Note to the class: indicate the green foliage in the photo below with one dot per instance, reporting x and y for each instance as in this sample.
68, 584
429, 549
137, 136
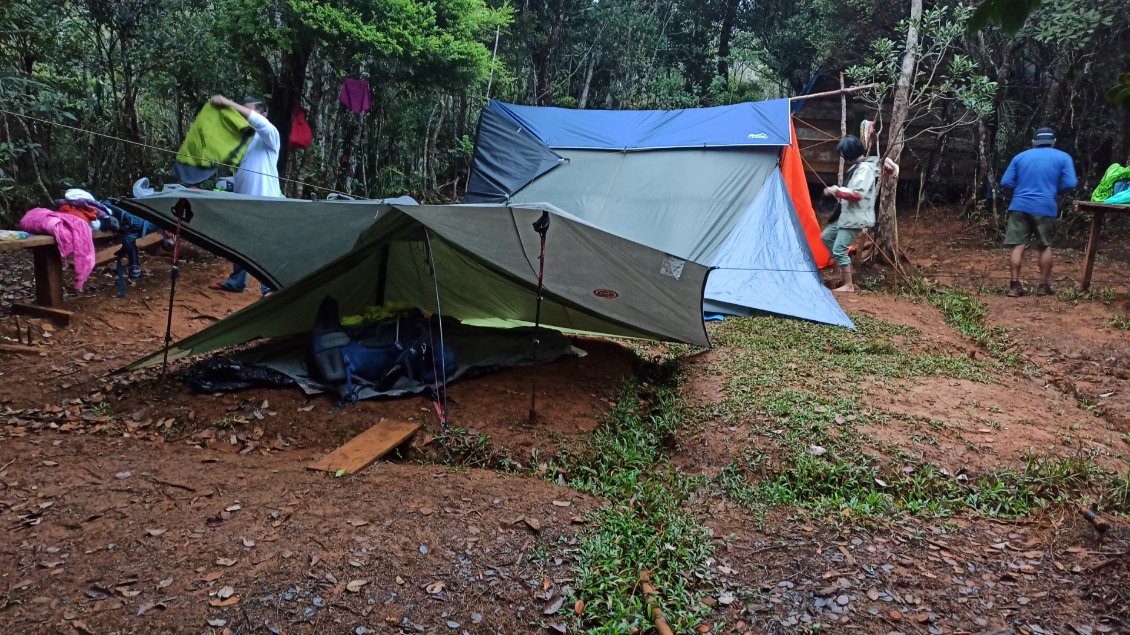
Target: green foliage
472, 449
1070, 24
1010, 15
654, 532
942, 72
1120, 93
1074, 296
801, 37
856, 486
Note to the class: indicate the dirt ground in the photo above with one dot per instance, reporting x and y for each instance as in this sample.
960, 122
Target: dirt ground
131, 505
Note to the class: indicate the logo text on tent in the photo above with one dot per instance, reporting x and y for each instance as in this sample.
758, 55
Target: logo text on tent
758, 135
607, 294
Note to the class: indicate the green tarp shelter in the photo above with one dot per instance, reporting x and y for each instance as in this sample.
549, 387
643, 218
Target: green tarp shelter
279, 240
479, 264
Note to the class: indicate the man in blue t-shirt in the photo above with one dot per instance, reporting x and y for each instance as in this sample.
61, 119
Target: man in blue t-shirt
1036, 177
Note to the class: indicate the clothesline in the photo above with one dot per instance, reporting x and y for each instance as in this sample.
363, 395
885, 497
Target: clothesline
160, 149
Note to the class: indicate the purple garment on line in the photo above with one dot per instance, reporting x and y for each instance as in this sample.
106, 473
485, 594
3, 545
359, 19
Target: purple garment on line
355, 95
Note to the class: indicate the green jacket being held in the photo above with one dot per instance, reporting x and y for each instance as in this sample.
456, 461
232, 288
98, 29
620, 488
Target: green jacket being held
218, 136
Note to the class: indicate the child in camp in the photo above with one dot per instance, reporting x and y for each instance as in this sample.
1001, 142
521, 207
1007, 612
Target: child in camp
856, 209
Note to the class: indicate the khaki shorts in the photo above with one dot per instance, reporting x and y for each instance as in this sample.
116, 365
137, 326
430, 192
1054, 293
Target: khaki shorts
838, 240
1028, 229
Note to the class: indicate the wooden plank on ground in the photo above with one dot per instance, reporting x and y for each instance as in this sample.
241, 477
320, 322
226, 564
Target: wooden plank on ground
365, 448
60, 317
21, 348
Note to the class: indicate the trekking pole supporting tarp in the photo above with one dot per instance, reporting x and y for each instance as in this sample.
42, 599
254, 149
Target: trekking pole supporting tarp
541, 226
183, 211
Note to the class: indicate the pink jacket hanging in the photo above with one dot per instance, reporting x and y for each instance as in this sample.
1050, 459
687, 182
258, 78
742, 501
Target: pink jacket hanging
355, 95
72, 234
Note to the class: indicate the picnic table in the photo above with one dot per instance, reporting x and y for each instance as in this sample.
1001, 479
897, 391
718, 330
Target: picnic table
1098, 215
49, 273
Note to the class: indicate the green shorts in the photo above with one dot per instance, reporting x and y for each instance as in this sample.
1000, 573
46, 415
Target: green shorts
1027, 229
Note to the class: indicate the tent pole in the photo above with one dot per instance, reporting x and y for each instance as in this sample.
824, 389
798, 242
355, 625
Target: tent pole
833, 93
440, 400
843, 128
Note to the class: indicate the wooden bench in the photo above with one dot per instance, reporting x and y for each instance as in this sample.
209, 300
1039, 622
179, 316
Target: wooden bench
49, 273
1098, 215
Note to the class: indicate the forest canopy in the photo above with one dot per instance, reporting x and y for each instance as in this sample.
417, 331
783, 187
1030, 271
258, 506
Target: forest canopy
126, 77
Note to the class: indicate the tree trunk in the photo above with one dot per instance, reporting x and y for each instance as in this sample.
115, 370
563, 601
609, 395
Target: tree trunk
354, 145
285, 96
843, 130
725, 33
934, 161
886, 229
985, 186
594, 54
1054, 95
542, 55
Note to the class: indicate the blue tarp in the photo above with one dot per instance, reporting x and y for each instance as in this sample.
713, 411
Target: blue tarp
762, 123
765, 265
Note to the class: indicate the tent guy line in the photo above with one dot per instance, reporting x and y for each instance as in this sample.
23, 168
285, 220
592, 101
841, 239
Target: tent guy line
164, 150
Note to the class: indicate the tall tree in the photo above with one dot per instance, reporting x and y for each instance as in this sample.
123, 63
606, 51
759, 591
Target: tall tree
928, 74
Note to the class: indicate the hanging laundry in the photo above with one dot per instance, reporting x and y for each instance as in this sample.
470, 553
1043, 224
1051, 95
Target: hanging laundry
300, 134
217, 136
355, 95
72, 234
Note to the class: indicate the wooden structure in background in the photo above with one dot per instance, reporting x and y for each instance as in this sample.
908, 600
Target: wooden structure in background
818, 124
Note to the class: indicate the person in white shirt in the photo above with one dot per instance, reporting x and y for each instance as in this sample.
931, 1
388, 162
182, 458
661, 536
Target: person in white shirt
258, 173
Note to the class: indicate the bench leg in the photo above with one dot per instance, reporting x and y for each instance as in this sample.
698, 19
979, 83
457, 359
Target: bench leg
48, 288
48, 276
1092, 250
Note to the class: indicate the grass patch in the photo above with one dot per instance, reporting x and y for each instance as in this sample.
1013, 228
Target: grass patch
772, 351
1074, 296
861, 486
796, 388
471, 448
967, 314
647, 525
1119, 322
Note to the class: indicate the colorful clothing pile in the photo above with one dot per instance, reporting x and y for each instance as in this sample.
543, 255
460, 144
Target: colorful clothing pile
72, 234
1105, 190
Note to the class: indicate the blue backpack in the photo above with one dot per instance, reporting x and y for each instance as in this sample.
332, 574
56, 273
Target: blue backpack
380, 354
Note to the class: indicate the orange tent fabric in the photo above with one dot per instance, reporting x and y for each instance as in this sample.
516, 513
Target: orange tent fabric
792, 169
